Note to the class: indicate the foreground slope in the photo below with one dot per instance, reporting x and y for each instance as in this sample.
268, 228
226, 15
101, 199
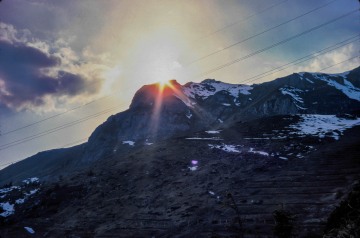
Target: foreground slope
204, 183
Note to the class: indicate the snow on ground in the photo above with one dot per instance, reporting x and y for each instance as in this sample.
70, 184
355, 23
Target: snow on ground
7, 190
251, 150
9, 200
188, 115
226, 104
210, 87
32, 192
347, 87
212, 132
197, 138
128, 142
20, 201
226, 148
29, 229
323, 125
31, 180
193, 168
7, 208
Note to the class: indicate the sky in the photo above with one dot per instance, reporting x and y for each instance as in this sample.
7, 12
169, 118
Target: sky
66, 66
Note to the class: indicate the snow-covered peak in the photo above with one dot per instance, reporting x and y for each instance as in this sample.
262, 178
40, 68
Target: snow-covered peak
209, 87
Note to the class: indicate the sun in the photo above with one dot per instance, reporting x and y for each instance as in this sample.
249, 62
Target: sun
163, 83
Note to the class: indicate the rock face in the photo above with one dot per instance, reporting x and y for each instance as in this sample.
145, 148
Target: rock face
160, 112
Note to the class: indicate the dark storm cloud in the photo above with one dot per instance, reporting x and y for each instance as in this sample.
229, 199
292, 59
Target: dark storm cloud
23, 77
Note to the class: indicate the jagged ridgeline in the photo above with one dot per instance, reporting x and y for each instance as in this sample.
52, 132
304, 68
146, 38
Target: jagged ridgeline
207, 158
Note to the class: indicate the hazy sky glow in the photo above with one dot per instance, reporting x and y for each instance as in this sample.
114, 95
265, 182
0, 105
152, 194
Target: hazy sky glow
58, 55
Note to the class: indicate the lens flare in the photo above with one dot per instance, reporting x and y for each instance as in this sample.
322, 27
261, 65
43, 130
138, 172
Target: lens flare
194, 162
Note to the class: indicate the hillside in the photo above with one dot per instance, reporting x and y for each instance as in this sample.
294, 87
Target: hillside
188, 186
224, 161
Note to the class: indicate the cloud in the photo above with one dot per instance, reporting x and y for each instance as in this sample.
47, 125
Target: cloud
33, 72
337, 59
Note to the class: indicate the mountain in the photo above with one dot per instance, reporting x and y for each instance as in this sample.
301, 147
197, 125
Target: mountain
157, 113
207, 159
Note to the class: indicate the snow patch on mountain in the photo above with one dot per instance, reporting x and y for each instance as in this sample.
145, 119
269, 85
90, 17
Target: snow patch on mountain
301, 74
347, 87
323, 125
7, 190
128, 142
199, 138
251, 150
212, 132
226, 148
8, 209
209, 87
31, 180
189, 114
294, 93
29, 229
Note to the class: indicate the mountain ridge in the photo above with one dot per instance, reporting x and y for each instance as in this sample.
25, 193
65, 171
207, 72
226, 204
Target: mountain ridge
206, 159
183, 109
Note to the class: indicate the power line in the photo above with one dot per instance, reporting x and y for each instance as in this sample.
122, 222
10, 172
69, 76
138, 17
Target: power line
75, 142
276, 44
58, 128
9, 163
303, 59
300, 60
62, 146
23, 140
109, 95
242, 20
78, 107
54, 116
339, 63
260, 33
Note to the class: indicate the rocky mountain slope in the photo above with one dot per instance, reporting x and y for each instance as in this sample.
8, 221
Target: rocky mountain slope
206, 159
214, 183
157, 113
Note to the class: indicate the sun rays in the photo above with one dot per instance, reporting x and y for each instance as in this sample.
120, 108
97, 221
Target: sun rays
163, 92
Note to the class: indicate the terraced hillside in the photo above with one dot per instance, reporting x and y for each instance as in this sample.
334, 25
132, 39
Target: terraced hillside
227, 182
